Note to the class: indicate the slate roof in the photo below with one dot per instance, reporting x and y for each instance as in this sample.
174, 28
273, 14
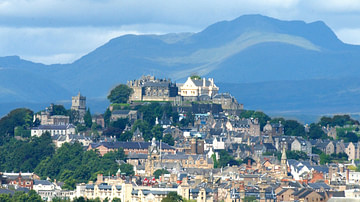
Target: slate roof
129, 145
6, 191
319, 185
54, 127
199, 82
42, 182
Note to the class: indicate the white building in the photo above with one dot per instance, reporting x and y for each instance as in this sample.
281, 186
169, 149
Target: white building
198, 87
53, 130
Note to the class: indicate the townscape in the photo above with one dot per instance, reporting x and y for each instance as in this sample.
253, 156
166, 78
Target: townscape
165, 141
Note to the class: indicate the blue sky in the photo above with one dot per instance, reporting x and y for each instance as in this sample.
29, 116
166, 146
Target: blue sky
61, 31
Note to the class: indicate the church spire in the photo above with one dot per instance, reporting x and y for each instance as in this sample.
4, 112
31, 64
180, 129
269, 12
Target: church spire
284, 169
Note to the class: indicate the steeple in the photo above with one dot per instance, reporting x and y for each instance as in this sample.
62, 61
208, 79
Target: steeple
284, 162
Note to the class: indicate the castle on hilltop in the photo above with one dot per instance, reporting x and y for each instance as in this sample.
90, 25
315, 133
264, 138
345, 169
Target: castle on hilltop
149, 88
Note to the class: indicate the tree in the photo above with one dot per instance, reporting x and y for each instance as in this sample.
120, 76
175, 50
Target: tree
294, 128
225, 159
315, 132
169, 139
159, 172
107, 116
18, 117
124, 136
59, 110
157, 132
120, 94
116, 200
172, 197
128, 169
88, 119
263, 118
250, 199
195, 77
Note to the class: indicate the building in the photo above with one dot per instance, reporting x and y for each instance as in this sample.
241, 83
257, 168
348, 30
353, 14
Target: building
227, 101
274, 129
47, 117
53, 130
133, 147
148, 88
194, 88
78, 104
24, 180
131, 115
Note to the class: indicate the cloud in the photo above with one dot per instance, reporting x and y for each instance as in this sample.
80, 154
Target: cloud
65, 44
337, 6
63, 30
351, 36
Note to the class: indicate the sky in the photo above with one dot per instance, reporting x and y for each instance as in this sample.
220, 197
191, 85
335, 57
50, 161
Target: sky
61, 31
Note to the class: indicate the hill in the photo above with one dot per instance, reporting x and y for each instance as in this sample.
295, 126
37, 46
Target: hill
250, 52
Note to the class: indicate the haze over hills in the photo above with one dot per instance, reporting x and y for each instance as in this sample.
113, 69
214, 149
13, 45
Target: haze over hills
278, 66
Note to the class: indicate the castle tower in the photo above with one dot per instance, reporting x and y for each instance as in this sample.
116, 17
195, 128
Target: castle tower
79, 104
284, 169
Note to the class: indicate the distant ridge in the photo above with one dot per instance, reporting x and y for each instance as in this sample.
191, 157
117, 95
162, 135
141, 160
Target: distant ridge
248, 49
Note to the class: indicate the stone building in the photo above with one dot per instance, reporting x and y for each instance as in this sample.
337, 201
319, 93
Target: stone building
148, 88
78, 104
274, 129
47, 117
227, 101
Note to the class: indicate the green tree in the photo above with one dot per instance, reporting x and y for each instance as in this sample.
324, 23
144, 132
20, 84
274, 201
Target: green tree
128, 169
157, 132
315, 132
107, 116
294, 128
225, 159
195, 77
59, 110
169, 139
125, 136
159, 172
116, 200
172, 197
17, 117
120, 94
250, 199
324, 159
261, 116
144, 127
88, 118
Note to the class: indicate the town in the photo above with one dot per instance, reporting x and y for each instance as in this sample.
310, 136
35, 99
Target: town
165, 141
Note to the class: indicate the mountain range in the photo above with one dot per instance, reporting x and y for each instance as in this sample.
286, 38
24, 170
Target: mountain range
284, 68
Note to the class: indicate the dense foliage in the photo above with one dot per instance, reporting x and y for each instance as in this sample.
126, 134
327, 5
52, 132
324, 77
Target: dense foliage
333, 158
169, 139
17, 155
172, 197
263, 118
159, 172
21, 196
72, 164
297, 155
347, 136
225, 159
16, 118
315, 132
337, 120
120, 94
